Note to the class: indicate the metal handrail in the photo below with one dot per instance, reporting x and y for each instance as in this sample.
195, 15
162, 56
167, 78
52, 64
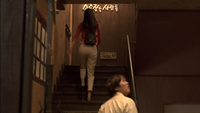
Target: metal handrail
131, 67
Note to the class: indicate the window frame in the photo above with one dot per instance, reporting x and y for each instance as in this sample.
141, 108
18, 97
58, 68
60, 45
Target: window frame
39, 51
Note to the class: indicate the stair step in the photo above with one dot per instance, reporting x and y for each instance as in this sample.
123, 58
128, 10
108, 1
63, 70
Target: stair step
77, 102
76, 79
109, 69
77, 105
74, 112
75, 87
74, 93
96, 74
96, 96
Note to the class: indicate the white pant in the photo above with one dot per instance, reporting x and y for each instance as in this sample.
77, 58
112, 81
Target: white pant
88, 57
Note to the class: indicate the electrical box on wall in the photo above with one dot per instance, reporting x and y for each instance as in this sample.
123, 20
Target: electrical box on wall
108, 55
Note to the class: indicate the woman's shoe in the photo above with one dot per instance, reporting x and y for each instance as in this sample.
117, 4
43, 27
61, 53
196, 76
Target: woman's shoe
89, 96
82, 88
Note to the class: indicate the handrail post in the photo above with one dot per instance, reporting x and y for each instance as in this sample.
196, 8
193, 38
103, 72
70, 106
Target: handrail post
131, 67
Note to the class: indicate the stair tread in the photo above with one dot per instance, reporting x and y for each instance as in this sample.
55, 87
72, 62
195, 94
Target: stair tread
96, 77
99, 69
79, 85
103, 66
77, 102
71, 93
64, 111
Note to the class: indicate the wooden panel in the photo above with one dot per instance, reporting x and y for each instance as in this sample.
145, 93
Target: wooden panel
41, 7
114, 27
27, 68
168, 43
149, 94
169, 4
146, 4
12, 29
155, 92
60, 5
99, 1
182, 90
16, 55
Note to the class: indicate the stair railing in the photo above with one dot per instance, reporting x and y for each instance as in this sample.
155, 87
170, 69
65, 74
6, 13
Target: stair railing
131, 68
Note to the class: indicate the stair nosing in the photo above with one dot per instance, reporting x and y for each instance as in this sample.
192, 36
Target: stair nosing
95, 85
77, 101
74, 92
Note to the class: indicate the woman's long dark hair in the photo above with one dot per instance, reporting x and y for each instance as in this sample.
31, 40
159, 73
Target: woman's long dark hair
89, 21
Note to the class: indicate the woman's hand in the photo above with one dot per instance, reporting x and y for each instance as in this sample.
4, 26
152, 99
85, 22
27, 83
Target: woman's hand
69, 51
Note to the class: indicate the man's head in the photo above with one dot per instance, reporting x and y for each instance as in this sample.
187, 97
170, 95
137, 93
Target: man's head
117, 83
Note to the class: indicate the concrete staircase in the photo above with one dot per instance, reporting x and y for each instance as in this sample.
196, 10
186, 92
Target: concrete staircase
67, 97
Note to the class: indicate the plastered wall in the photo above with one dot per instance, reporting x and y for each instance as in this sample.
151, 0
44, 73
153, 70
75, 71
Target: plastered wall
37, 97
58, 42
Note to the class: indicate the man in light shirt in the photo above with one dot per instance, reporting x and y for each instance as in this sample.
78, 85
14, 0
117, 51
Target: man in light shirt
118, 88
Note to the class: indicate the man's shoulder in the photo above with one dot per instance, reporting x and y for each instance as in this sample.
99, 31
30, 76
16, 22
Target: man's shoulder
121, 98
128, 98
